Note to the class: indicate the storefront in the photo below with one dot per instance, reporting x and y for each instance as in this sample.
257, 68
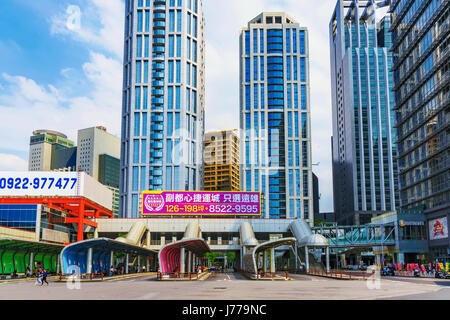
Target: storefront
411, 239
439, 243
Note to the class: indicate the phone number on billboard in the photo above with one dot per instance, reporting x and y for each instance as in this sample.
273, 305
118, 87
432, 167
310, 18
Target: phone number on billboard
219, 208
37, 183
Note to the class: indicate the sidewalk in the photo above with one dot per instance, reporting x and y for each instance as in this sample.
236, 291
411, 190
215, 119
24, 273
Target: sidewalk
113, 278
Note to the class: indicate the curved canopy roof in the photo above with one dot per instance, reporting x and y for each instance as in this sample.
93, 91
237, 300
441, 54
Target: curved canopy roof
105, 244
169, 255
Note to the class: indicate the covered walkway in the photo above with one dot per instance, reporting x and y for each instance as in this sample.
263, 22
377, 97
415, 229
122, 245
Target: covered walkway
264, 254
19, 254
97, 255
183, 256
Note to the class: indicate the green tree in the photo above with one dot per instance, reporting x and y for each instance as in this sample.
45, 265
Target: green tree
211, 256
231, 256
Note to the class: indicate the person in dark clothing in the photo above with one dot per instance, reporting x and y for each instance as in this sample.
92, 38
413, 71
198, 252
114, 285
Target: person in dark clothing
44, 278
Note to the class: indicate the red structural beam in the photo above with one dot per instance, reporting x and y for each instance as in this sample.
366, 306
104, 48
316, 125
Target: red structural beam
78, 207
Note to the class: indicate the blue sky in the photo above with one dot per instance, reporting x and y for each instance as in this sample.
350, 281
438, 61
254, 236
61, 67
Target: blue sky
60, 73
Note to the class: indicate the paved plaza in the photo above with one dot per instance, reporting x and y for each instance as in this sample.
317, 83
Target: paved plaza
232, 286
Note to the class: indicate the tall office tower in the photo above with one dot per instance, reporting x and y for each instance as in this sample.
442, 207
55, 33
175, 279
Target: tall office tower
222, 172
44, 144
275, 115
163, 99
363, 144
98, 155
421, 41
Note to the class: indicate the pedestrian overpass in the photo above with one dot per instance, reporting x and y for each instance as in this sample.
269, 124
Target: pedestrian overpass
357, 236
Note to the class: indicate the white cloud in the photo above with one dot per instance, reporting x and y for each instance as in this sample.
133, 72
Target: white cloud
100, 24
9, 162
27, 105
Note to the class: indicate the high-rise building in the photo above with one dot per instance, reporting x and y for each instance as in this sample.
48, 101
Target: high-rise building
275, 115
222, 172
44, 146
163, 99
365, 183
421, 48
98, 155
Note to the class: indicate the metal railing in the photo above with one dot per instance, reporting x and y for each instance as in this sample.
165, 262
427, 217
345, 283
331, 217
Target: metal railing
85, 276
272, 275
341, 274
179, 275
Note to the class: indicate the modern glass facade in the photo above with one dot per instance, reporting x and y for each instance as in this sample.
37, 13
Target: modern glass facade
163, 99
275, 115
363, 144
421, 43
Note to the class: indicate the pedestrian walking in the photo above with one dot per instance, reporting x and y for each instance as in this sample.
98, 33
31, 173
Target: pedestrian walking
38, 278
111, 271
44, 278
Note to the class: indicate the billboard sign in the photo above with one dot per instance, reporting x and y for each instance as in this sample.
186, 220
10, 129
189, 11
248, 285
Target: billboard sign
196, 203
54, 184
37, 183
438, 228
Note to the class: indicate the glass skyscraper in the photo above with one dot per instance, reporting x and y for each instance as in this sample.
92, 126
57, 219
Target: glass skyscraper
163, 99
275, 115
421, 47
365, 181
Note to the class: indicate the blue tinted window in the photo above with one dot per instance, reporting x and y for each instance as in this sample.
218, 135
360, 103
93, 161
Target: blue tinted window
170, 97
171, 21
288, 40
247, 98
139, 22
247, 69
261, 41
255, 68
178, 20
302, 42
169, 151
169, 124
303, 101
171, 46
169, 178
138, 71
137, 105
247, 42
255, 96
294, 40
135, 152
137, 124
302, 70
170, 71
144, 124
178, 98
143, 155
255, 40
145, 106
139, 46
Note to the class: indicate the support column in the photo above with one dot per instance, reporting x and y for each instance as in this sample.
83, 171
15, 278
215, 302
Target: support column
127, 261
194, 262
296, 255
148, 242
307, 258
272, 260
241, 258
328, 259
147, 264
189, 268
58, 264
265, 260
111, 259
31, 261
182, 260
96, 233
139, 263
89, 261
80, 222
